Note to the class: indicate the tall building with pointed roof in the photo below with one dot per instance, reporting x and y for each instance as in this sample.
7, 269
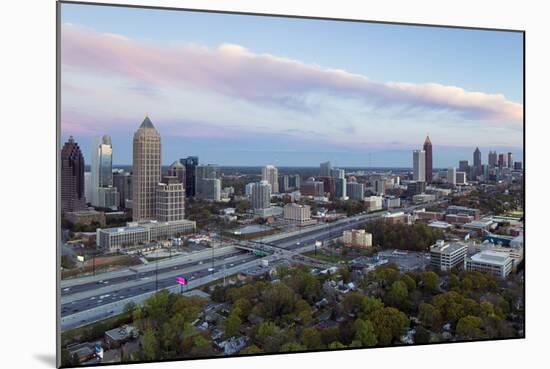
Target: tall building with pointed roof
72, 177
477, 162
146, 170
428, 157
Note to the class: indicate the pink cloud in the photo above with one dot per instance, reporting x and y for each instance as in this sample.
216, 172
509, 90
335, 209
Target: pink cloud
235, 71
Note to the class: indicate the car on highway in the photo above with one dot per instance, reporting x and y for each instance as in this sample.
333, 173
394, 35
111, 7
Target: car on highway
210, 269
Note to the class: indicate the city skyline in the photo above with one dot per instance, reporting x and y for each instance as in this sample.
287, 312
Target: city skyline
288, 102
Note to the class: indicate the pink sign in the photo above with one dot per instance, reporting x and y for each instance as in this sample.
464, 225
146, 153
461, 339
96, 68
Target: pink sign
181, 280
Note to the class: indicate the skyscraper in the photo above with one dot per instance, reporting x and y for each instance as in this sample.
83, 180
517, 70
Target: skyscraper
419, 165
341, 188
146, 170
355, 191
122, 180
72, 177
428, 159
502, 162
477, 162
283, 184
261, 195
463, 166
510, 160
451, 176
190, 164
338, 173
207, 184
270, 174
103, 194
177, 169
492, 159
325, 169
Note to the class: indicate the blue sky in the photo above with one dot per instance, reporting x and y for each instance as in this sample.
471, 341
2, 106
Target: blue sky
248, 90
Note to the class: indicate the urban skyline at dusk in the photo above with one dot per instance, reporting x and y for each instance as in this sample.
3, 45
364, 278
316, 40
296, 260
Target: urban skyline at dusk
288, 103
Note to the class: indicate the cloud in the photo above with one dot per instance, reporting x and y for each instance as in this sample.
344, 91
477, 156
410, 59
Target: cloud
232, 70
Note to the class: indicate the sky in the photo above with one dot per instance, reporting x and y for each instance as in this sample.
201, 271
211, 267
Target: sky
256, 90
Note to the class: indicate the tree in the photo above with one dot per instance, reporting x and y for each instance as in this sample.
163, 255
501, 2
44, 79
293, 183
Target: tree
409, 281
336, 345
149, 350
370, 304
232, 324
470, 328
364, 332
450, 305
251, 350
329, 334
353, 302
389, 323
244, 306
422, 335
311, 338
269, 336
430, 316
429, 281
129, 308
397, 295
292, 347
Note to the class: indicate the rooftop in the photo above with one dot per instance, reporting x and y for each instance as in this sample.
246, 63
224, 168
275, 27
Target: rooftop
491, 257
447, 248
147, 123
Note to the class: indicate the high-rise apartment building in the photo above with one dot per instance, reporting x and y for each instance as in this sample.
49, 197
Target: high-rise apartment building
355, 191
122, 180
170, 204
207, 184
428, 160
419, 165
451, 176
72, 177
338, 173
284, 183
341, 188
146, 169
270, 173
261, 195
325, 169
502, 160
492, 160
294, 181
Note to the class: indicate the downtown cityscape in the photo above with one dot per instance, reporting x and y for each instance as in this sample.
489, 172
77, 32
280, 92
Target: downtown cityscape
328, 223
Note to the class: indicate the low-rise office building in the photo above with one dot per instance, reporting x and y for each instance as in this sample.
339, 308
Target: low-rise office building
458, 210
357, 238
398, 218
135, 233
297, 213
373, 203
86, 217
445, 256
423, 197
498, 264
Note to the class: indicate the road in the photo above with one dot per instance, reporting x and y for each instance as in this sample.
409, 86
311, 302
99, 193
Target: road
88, 299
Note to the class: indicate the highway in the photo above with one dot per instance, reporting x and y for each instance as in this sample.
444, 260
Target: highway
88, 299
138, 273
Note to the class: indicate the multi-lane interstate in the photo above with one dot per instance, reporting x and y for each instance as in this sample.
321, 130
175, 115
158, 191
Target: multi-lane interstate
88, 299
